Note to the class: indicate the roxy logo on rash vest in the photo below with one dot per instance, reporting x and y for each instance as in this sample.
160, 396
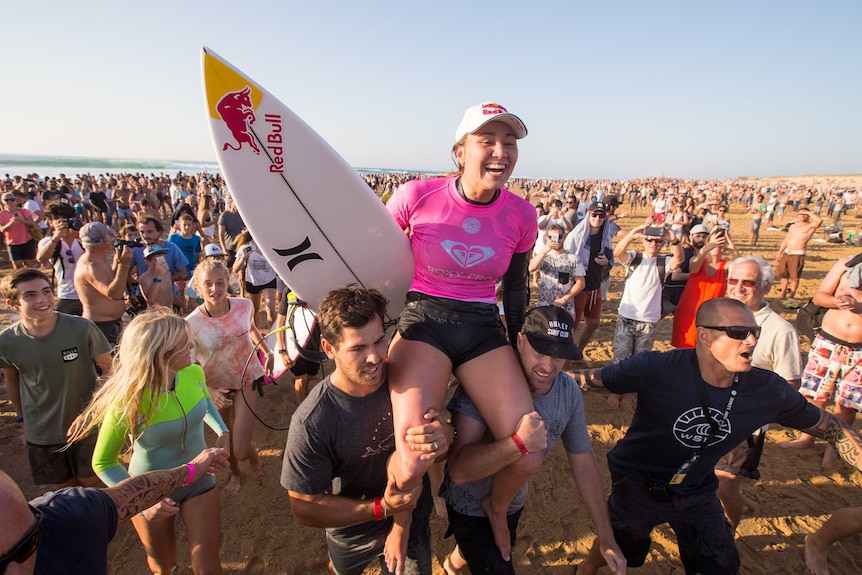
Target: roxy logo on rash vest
692, 428
467, 256
237, 113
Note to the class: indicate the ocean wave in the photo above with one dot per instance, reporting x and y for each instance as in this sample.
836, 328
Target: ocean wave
111, 165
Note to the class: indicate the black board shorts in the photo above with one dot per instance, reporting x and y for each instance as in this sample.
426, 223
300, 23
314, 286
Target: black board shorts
462, 330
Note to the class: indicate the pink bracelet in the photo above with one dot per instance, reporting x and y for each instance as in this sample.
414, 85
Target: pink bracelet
191, 478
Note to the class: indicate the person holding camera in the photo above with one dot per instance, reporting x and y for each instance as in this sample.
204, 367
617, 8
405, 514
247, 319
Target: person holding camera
707, 279
99, 284
561, 277
62, 250
640, 305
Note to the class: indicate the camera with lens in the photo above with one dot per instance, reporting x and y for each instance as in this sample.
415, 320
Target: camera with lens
74, 224
131, 243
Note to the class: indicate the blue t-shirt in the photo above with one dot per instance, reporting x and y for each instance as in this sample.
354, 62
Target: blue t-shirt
191, 247
175, 257
79, 524
669, 424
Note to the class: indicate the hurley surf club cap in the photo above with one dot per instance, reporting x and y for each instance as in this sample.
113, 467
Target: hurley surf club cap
477, 116
549, 330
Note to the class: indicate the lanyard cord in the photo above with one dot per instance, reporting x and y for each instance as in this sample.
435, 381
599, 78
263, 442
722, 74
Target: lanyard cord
713, 425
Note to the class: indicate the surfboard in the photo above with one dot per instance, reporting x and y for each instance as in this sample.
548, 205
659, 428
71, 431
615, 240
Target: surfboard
316, 221
300, 337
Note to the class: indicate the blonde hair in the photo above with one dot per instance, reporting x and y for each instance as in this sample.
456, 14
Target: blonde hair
205, 206
204, 266
140, 367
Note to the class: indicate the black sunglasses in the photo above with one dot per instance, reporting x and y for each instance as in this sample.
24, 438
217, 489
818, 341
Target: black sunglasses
739, 332
27, 546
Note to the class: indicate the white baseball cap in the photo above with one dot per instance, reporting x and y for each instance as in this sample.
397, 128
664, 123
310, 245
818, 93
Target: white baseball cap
477, 116
212, 250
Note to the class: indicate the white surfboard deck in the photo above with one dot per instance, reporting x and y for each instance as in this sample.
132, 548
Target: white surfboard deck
316, 221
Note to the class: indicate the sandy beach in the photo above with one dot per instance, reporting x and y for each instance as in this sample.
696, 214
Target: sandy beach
793, 498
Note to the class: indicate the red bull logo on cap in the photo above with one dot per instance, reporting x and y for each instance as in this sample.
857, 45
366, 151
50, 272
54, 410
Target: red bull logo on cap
236, 111
490, 109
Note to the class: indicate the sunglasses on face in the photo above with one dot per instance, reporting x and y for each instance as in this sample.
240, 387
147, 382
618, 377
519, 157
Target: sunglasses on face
600, 215
740, 332
746, 283
28, 543
654, 240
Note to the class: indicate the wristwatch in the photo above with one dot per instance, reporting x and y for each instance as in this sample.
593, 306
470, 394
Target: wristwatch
674, 242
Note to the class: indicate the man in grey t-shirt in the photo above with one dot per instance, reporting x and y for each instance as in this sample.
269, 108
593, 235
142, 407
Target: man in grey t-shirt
341, 436
544, 345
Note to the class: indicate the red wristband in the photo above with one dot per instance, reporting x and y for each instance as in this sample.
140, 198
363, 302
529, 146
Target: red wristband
191, 478
378, 509
519, 442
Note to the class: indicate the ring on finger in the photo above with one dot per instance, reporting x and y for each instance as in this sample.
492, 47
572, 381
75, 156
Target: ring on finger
434, 445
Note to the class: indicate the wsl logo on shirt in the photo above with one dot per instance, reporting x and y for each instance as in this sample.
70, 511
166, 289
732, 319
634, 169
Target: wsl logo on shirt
70, 354
692, 428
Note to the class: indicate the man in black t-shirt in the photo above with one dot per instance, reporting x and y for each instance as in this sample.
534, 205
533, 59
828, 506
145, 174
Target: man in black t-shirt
693, 406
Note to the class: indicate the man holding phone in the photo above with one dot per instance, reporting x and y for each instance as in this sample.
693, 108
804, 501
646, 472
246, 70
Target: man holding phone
561, 276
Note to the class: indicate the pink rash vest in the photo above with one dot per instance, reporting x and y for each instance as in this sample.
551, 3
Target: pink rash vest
461, 249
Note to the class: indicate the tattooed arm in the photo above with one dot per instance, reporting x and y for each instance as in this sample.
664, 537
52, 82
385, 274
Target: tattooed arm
135, 494
846, 440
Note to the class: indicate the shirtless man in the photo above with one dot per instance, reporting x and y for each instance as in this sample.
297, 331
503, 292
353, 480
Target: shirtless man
838, 342
100, 285
156, 285
791, 253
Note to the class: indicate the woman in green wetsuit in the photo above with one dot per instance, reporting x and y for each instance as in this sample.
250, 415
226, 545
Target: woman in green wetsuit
158, 396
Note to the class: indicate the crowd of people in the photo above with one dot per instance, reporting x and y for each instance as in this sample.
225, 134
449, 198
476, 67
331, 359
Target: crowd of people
142, 299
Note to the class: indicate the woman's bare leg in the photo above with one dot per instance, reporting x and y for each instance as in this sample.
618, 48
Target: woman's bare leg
160, 542
243, 448
202, 518
418, 376
495, 383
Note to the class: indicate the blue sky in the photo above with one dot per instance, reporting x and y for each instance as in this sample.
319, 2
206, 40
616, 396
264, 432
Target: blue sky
606, 89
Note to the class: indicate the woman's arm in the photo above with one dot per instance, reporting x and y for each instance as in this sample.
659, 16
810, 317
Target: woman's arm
515, 294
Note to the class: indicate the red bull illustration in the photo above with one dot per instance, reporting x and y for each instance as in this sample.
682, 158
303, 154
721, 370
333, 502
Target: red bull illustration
236, 111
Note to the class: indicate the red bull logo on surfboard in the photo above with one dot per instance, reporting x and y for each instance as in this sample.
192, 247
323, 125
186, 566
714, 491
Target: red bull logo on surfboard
236, 111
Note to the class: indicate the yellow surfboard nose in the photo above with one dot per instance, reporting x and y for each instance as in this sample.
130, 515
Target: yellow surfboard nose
220, 80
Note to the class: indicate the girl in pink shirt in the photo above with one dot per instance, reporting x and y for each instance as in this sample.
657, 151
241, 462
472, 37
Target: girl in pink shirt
19, 242
225, 334
466, 232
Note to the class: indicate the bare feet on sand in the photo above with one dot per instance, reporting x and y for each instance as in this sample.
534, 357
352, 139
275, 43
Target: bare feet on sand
829, 457
815, 556
803, 442
500, 527
395, 549
233, 485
